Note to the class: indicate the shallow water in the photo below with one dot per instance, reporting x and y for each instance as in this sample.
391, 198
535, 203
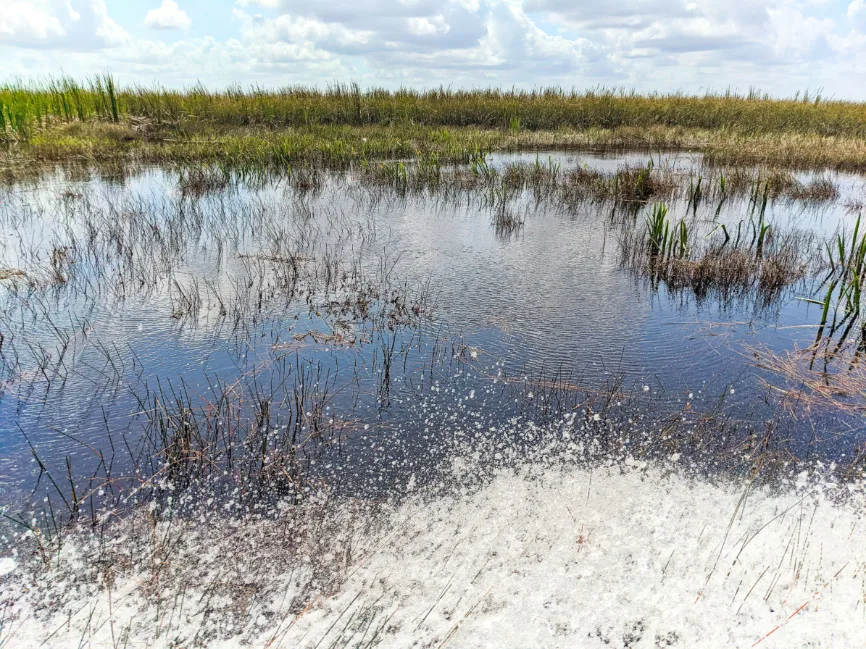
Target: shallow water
487, 326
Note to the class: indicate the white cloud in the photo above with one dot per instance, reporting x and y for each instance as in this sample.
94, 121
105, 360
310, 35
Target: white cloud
780, 46
167, 16
267, 4
424, 26
61, 24
23, 22
857, 14
302, 34
797, 36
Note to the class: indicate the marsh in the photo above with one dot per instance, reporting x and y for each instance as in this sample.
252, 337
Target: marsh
373, 395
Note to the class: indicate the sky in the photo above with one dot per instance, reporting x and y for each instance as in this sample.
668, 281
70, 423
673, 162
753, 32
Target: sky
777, 46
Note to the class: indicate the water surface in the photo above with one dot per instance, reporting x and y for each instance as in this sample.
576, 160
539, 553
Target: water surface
401, 314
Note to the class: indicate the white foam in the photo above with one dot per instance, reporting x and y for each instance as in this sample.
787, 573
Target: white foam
7, 565
572, 557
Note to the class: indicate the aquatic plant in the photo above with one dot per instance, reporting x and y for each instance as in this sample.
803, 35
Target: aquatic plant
695, 193
671, 252
665, 241
478, 165
846, 264
657, 229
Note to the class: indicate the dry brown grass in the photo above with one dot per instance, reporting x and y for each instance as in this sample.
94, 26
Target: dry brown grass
806, 381
730, 272
8, 273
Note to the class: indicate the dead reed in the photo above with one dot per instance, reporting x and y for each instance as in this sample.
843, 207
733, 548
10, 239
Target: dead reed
802, 384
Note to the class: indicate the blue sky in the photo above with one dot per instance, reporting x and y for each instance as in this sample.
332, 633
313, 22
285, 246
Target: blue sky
778, 46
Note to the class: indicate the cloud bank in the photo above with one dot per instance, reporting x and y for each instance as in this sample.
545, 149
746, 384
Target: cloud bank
779, 46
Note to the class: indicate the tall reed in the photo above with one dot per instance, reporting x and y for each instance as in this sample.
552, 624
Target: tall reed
25, 105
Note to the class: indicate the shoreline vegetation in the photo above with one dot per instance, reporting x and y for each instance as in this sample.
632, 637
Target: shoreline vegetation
97, 121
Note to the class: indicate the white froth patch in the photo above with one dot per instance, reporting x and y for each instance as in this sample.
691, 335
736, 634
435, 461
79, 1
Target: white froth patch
7, 565
568, 558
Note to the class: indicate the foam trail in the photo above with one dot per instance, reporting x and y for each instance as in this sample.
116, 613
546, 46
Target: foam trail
615, 556
615, 559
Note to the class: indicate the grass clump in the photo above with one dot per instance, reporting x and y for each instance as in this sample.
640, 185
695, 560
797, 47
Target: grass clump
725, 263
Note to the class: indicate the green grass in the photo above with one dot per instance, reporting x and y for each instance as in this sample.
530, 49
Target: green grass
251, 148
97, 120
846, 261
26, 108
512, 110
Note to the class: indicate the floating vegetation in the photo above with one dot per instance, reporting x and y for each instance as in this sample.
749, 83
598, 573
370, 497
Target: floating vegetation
803, 384
8, 273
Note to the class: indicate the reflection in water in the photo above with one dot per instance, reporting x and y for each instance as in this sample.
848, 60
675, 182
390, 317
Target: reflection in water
140, 302
382, 406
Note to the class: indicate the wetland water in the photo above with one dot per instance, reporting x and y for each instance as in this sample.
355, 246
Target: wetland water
523, 411
395, 310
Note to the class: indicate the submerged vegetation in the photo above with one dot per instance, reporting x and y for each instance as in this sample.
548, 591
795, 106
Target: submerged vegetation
627, 184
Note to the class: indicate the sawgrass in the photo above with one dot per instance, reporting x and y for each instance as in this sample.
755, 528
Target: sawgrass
63, 119
512, 110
